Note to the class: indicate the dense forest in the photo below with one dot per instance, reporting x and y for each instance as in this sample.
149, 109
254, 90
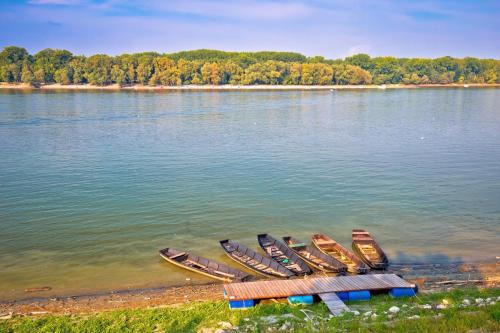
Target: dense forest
241, 68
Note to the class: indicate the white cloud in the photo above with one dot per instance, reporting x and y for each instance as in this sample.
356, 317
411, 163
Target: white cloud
332, 28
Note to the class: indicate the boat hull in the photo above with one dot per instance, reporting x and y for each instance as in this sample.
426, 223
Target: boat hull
365, 246
373, 265
211, 269
354, 264
283, 255
257, 263
315, 258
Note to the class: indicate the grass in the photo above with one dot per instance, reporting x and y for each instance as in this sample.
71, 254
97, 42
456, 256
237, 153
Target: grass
275, 317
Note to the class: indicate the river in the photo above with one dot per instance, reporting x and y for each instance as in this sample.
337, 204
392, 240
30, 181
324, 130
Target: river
92, 184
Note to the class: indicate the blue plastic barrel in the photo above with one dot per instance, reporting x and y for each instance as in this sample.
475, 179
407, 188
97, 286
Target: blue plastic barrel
306, 300
359, 295
402, 292
343, 295
241, 304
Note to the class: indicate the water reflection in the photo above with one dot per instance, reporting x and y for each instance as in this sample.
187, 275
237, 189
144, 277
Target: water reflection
93, 183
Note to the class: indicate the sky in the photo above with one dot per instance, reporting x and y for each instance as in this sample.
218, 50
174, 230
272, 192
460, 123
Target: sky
333, 29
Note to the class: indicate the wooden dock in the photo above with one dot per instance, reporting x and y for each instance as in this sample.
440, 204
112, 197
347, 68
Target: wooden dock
334, 303
312, 286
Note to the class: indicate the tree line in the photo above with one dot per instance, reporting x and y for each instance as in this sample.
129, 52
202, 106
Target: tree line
238, 68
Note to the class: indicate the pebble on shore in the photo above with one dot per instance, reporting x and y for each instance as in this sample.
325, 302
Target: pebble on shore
394, 309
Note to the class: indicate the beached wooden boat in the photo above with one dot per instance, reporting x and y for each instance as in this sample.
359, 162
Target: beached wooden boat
368, 250
283, 255
203, 266
253, 260
337, 251
315, 257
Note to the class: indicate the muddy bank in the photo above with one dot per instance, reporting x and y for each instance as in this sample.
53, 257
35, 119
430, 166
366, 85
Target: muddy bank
115, 87
428, 277
129, 299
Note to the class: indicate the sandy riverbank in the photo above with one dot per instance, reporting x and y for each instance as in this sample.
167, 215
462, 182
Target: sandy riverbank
51, 87
429, 277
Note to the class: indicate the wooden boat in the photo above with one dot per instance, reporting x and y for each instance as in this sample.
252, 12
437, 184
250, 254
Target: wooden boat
253, 260
283, 255
203, 266
315, 257
368, 250
337, 251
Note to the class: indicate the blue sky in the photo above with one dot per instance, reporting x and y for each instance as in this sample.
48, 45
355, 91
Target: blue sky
334, 29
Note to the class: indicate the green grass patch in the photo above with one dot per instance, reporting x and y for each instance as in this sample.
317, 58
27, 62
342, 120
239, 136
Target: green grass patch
411, 317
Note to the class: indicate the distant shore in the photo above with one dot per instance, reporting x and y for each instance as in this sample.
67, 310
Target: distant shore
137, 87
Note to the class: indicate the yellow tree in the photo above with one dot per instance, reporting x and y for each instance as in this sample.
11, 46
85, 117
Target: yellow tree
189, 71
211, 73
274, 71
490, 76
165, 72
231, 73
26, 74
349, 74
317, 74
294, 73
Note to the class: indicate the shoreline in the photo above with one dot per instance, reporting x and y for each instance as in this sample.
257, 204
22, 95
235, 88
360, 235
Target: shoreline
460, 310
429, 277
135, 87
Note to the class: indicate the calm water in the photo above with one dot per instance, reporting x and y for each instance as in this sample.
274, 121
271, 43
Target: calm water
93, 184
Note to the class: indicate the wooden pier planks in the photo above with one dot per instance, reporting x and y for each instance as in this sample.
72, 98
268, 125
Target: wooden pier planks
334, 303
312, 286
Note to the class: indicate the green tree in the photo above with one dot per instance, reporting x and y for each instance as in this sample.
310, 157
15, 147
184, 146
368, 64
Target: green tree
244, 60
98, 69
118, 75
124, 69
12, 73
131, 74
269, 72
26, 73
447, 66
39, 75
48, 61
12, 59
419, 67
472, 70
220, 67
387, 70
316, 60
144, 69
77, 68
361, 60
63, 76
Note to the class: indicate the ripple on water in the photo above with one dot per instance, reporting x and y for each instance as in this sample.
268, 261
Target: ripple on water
94, 183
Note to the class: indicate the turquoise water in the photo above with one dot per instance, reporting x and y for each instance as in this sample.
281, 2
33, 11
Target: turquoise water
92, 184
